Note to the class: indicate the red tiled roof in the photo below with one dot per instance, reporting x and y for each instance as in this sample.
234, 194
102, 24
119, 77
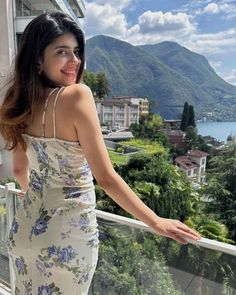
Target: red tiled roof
197, 153
186, 163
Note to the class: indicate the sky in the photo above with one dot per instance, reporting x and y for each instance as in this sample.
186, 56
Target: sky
203, 26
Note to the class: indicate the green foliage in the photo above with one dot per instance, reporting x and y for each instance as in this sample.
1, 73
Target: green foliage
3, 181
97, 82
90, 79
149, 128
191, 121
195, 141
3, 210
188, 117
185, 117
221, 190
120, 150
209, 228
146, 146
117, 158
159, 184
102, 85
130, 263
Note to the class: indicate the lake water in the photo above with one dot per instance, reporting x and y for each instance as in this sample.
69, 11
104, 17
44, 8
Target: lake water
219, 130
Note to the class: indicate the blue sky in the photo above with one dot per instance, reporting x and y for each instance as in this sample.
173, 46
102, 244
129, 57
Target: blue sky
204, 26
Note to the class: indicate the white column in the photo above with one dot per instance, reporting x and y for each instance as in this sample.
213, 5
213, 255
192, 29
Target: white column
7, 49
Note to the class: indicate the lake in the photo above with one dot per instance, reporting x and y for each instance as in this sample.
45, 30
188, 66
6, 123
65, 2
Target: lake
219, 130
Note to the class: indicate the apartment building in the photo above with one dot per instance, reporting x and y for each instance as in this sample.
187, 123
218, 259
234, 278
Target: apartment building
142, 102
193, 164
14, 17
121, 111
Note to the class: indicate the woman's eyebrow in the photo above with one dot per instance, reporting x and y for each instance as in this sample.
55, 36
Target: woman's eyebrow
65, 47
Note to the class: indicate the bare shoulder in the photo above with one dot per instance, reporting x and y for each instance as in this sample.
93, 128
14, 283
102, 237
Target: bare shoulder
77, 101
77, 92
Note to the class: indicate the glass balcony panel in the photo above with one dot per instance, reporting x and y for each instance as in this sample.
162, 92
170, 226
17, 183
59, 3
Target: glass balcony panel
134, 261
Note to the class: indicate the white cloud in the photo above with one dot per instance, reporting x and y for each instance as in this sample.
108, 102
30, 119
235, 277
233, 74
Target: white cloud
225, 8
215, 64
104, 19
154, 27
211, 8
231, 77
159, 21
212, 43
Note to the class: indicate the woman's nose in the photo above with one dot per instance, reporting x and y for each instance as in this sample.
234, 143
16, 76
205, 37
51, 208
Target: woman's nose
75, 58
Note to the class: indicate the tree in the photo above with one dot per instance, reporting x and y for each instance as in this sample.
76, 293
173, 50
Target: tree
90, 79
149, 127
185, 117
153, 104
126, 259
191, 137
97, 82
221, 191
191, 120
102, 85
160, 185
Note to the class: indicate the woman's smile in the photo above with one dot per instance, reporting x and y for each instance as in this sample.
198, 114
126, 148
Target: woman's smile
61, 62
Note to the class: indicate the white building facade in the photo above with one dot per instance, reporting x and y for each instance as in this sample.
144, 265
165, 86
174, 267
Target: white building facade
14, 17
121, 112
194, 165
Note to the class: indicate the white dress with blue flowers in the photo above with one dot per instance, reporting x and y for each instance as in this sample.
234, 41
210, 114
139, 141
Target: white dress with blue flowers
53, 240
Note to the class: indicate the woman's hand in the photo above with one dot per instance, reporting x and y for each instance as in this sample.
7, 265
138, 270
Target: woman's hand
176, 230
21, 194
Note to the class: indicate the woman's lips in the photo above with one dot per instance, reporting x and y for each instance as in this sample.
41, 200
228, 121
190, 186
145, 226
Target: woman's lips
69, 73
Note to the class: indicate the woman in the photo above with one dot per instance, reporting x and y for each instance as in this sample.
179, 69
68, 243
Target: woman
49, 121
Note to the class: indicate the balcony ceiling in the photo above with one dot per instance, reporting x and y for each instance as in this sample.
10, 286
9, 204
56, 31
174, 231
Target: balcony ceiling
41, 4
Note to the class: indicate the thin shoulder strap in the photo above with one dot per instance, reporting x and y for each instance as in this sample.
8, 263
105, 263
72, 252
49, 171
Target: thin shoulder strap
44, 111
54, 111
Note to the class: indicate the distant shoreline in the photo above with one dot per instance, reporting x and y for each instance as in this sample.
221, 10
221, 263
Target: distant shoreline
218, 130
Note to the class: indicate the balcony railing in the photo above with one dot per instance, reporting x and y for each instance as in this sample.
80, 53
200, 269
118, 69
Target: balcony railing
133, 260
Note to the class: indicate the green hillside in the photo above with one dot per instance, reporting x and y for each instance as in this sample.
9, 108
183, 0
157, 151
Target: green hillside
165, 72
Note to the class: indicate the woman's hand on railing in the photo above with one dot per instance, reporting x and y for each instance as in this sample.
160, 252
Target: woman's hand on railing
21, 194
176, 230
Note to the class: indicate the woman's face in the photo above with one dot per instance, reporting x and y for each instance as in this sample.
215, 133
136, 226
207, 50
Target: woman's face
61, 61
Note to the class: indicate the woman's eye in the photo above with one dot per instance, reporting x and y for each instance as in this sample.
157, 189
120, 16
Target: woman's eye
77, 53
62, 52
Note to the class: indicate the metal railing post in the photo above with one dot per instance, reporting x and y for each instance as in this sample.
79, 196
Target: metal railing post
10, 205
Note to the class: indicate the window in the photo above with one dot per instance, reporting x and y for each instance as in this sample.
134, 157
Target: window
120, 109
203, 161
108, 108
189, 172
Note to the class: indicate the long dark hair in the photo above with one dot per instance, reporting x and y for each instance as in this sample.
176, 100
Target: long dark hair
26, 88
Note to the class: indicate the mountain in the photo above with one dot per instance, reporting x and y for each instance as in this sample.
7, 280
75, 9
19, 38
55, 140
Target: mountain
166, 73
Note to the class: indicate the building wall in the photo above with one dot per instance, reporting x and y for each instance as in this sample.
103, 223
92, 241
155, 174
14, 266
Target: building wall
202, 163
115, 114
7, 49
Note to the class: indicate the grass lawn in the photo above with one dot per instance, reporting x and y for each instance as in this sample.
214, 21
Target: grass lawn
148, 147
118, 159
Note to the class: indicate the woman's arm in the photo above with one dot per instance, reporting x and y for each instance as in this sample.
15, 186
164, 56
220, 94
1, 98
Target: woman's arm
20, 168
87, 125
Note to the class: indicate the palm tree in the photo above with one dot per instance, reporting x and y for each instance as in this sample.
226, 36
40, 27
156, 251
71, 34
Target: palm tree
212, 229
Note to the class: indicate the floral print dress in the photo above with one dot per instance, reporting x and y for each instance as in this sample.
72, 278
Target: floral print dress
53, 240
